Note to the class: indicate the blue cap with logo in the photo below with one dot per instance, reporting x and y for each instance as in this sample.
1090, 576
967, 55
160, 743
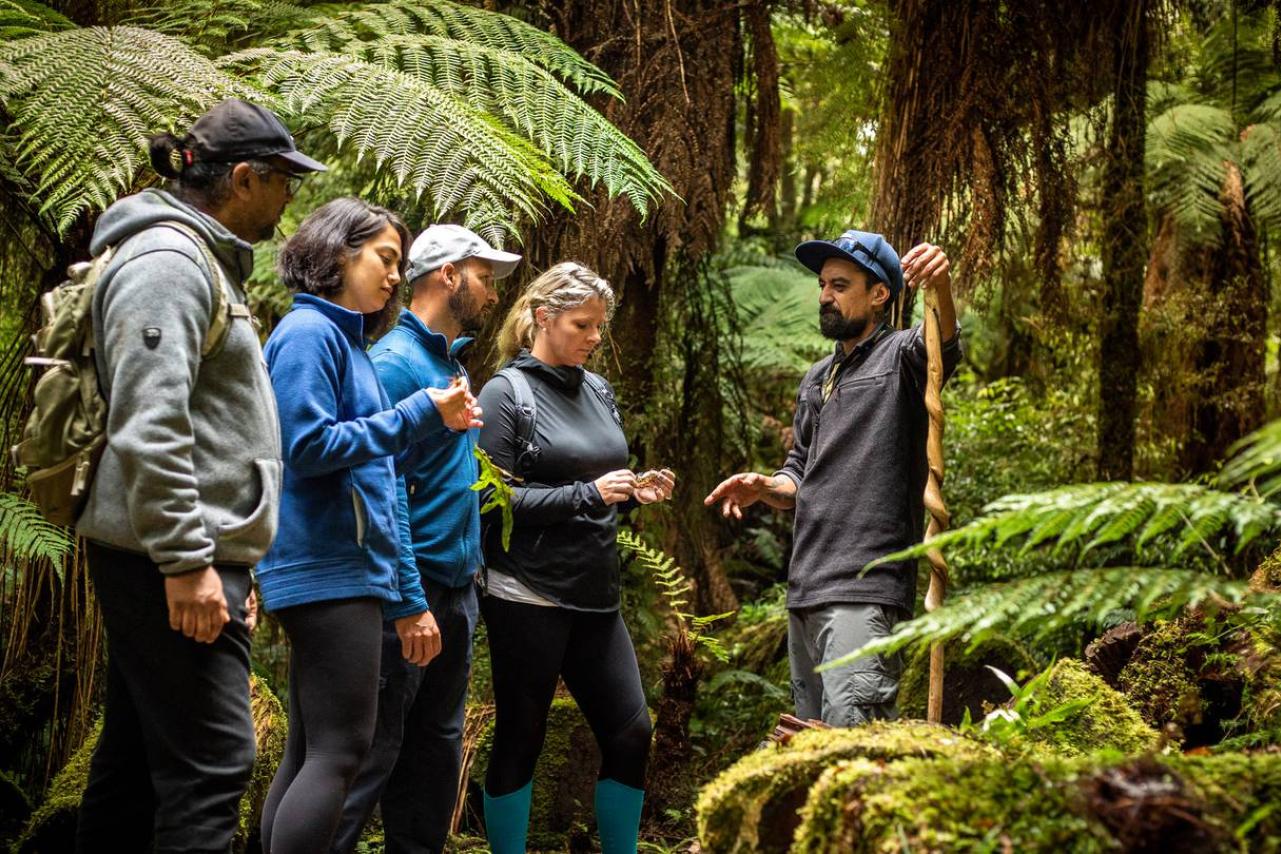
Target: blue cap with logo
870, 251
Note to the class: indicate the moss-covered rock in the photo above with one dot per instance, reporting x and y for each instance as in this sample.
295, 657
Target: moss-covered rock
753, 806
967, 683
564, 778
1107, 722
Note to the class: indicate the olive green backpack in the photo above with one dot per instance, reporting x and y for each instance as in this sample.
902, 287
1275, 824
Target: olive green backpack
67, 430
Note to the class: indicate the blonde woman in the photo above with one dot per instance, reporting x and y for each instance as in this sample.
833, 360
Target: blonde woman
551, 603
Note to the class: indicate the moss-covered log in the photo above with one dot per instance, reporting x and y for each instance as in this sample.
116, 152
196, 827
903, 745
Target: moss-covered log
967, 683
754, 805
910, 787
1107, 722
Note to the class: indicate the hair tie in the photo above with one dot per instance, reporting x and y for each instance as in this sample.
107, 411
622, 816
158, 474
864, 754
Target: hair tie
187, 157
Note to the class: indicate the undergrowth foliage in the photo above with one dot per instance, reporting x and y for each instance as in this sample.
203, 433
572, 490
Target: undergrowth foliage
675, 587
25, 535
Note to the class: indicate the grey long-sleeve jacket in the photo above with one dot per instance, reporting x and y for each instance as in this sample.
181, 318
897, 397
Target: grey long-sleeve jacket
191, 473
859, 465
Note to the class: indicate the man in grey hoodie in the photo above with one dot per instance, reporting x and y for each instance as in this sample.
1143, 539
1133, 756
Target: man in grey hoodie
183, 503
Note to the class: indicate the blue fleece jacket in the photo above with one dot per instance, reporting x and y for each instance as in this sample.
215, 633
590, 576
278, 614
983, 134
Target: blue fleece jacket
444, 512
344, 527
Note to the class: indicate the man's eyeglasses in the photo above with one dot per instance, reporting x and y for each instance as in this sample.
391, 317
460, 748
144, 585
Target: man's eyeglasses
293, 181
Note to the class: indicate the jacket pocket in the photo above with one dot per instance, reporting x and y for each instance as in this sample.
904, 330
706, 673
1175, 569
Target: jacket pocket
259, 527
361, 514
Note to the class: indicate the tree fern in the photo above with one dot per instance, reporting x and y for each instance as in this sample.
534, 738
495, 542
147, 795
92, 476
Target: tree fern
675, 588
1042, 605
533, 102
1073, 520
25, 535
81, 103
777, 310
341, 24
211, 26
426, 138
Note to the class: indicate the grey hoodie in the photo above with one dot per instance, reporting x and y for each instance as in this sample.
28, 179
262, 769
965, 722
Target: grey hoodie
191, 473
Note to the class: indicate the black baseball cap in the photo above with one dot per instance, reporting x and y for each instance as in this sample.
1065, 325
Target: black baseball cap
237, 130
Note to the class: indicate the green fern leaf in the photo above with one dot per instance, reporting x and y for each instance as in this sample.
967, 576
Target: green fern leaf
25, 535
83, 101
22, 18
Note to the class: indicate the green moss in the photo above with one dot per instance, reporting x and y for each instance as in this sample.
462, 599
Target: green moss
949, 804
1267, 577
52, 826
1108, 721
1161, 679
271, 725
1242, 793
753, 805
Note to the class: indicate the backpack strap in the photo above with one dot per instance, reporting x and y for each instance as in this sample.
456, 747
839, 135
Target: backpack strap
526, 414
225, 308
603, 391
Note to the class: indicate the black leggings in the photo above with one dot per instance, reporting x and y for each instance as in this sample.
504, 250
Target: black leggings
529, 647
335, 651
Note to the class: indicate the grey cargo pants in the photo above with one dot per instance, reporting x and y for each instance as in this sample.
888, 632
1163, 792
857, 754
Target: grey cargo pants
857, 693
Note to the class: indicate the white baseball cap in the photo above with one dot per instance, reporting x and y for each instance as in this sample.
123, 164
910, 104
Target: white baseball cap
439, 245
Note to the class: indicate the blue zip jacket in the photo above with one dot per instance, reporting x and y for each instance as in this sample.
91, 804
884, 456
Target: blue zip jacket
344, 527
444, 512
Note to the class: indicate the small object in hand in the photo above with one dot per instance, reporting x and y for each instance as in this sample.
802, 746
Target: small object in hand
649, 478
456, 382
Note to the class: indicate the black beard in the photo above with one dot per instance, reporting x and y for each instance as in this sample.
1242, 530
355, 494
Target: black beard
839, 328
461, 305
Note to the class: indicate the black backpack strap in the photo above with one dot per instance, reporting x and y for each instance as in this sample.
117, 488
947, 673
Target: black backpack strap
526, 417
603, 391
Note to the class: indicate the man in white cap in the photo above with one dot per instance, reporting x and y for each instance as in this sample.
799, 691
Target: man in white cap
414, 765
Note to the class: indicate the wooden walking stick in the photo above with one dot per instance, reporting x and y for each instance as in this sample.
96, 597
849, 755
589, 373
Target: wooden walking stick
934, 492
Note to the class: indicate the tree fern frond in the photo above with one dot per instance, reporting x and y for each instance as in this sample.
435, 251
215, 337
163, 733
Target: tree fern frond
777, 311
424, 137
344, 23
1186, 149
675, 587
212, 25
22, 18
26, 535
1039, 606
1086, 516
83, 102
533, 102
1261, 170
1255, 461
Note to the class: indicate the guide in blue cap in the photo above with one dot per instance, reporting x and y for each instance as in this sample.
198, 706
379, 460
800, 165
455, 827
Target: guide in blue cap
855, 474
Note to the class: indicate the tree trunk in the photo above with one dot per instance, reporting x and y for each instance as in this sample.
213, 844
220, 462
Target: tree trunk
1124, 247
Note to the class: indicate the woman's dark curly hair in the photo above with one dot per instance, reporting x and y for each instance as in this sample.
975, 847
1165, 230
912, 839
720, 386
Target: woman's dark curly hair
312, 261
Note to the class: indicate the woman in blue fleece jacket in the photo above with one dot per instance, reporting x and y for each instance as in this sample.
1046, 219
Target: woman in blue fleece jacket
342, 560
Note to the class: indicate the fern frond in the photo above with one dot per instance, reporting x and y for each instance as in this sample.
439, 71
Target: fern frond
777, 311
1255, 461
210, 26
345, 23
26, 535
577, 138
83, 102
1084, 517
22, 18
1187, 146
424, 137
1038, 607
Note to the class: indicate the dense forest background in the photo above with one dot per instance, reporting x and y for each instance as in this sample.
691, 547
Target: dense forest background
1104, 174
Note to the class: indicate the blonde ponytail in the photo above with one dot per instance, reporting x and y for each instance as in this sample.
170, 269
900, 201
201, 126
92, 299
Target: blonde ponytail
563, 287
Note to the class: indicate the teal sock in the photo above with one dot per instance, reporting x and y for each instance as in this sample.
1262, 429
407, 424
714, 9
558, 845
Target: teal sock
507, 819
618, 814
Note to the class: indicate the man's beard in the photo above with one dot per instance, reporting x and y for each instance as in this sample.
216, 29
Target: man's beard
836, 326
463, 307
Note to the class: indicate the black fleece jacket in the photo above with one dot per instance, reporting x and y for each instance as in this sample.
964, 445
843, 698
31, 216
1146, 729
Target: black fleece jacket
563, 545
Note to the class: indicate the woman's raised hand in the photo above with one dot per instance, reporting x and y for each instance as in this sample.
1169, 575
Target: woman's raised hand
654, 485
616, 486
456, 405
